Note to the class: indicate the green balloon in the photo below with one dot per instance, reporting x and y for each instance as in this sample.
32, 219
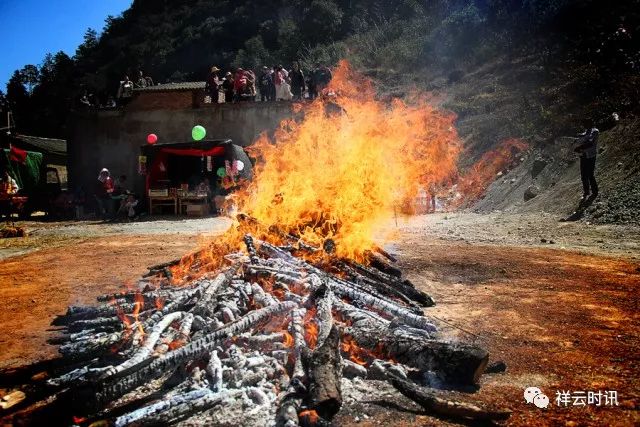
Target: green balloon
221, 172
198, 132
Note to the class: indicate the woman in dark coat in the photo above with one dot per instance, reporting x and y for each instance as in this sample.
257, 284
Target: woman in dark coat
297, 82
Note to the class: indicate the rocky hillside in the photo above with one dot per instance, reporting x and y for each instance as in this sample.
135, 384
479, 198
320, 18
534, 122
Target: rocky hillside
548, 179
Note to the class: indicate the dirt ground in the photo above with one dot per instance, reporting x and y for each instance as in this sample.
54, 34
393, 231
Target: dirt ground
557, 302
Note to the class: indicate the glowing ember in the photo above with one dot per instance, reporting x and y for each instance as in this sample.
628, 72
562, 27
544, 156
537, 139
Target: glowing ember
356, 353
310, 416
310, 329
288, 340
176, 344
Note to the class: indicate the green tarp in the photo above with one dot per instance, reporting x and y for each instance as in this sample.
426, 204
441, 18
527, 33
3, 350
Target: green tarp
27, 175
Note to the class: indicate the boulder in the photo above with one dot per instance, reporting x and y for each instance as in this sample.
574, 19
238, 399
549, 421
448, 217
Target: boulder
538, 166
531, 192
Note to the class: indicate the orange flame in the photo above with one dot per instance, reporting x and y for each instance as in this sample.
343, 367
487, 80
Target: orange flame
288, 340
123, 317
356, 353
310, 328
159, 302
137, 308
311, 334
339, 170
475, 181
310, 416
342, 170
176, 344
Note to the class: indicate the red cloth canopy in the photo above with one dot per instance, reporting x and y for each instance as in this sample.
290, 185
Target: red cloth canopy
158, 169
17, 155
195, 152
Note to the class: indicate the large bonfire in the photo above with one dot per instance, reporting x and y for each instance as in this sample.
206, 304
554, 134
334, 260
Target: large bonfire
269, 323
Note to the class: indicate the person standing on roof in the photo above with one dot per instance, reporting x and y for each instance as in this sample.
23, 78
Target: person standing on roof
125, 91
227, 87
141, 82
280, 80
212, 88
239, 83
297, 82
587, 148
265, 84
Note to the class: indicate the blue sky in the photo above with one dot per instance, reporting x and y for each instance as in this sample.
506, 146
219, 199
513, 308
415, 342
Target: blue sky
29, 29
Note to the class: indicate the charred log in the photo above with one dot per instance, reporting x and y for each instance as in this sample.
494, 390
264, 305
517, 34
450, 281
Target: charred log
324, 368
448, 408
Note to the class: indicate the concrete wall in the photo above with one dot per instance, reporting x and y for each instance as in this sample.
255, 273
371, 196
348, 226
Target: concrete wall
112, 138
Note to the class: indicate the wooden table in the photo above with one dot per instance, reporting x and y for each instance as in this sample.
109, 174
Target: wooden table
184, 201
163, 201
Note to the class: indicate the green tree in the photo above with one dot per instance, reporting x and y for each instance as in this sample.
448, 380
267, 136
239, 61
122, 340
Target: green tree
289, 39
30, 76
253, 55
322, 21
88, 46
18, 99
4, 104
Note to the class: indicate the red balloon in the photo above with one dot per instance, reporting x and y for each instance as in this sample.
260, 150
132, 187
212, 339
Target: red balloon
152, 138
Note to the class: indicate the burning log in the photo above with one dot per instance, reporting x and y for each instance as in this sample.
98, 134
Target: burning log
453, 362
403, 286
404, 314
291, 400
206, 305
146, 349
324, 367
323, 298
251, 249
448, 408
117, 387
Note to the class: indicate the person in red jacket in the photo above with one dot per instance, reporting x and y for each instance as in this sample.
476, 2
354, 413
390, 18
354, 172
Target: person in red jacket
239, 83
103, 192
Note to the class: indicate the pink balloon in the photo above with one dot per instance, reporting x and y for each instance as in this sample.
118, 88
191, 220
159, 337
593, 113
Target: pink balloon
152, 138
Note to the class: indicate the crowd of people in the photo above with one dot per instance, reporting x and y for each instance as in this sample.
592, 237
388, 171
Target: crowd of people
275, 83
123, 94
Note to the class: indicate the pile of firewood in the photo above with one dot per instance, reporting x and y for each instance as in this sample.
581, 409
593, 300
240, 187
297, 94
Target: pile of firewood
268, 339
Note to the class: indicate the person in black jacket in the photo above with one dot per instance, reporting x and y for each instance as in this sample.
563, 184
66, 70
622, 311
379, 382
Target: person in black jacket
265, 84
587, 148
227, 87
212, 87
297, 82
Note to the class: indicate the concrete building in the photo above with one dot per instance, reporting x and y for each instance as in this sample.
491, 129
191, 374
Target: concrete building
113, 138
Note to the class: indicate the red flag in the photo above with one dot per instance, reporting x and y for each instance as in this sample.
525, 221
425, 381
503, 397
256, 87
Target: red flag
17, 155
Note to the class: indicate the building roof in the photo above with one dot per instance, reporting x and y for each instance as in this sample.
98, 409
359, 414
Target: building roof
49, 145
172, 86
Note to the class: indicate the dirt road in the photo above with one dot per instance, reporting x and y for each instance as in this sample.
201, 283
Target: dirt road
562, 315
